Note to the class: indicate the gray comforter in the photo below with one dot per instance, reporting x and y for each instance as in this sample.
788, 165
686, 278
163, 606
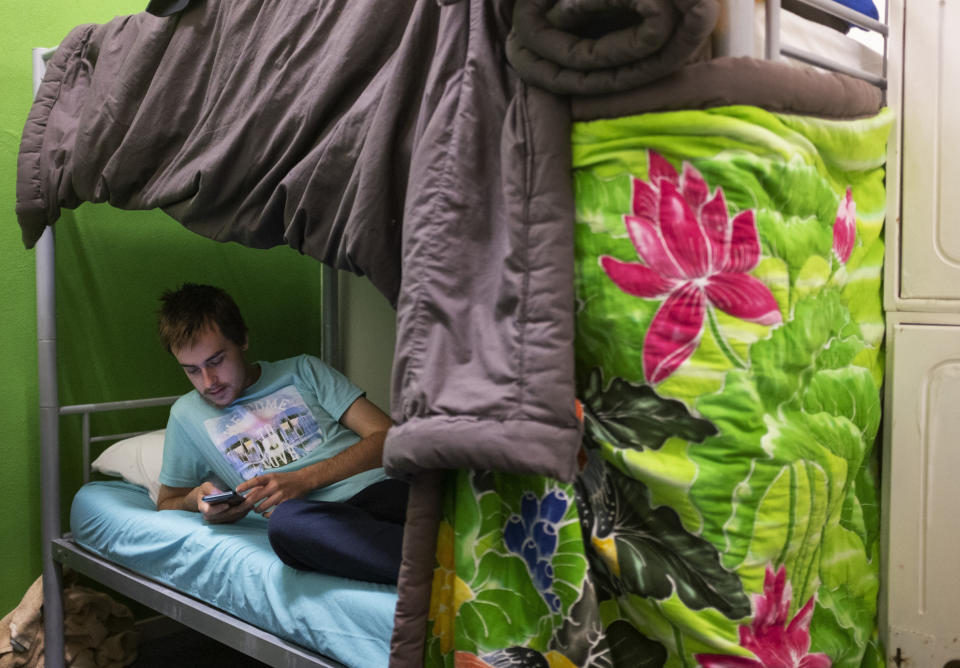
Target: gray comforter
387, 139
393, 140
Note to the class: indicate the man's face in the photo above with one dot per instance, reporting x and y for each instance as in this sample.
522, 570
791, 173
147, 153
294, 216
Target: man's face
215, 365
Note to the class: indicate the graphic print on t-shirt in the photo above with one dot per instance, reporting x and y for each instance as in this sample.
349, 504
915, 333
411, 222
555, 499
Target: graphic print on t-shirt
265, 433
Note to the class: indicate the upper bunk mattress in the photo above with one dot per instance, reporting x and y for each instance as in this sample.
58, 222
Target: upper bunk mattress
233, 567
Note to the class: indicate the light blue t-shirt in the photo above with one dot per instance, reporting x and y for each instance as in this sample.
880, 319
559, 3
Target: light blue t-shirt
286, 420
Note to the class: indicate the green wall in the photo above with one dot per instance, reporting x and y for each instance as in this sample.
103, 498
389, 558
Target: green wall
112, 265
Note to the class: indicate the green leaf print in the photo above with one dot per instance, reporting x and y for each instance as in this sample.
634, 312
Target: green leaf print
523, 583
848, 392
655, 555
845, 632
635, 416
791, 496
782, 365
861, 513
629, 647
498, 617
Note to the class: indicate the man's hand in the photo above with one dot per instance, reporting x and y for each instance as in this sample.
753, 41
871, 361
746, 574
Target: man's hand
275, 488
220, 513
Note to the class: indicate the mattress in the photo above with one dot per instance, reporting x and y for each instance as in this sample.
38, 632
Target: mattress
234, 568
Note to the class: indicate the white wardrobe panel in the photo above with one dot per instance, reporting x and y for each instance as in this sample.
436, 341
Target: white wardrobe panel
930, 239
923, 493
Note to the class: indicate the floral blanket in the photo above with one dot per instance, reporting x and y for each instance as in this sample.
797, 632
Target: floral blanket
729, 334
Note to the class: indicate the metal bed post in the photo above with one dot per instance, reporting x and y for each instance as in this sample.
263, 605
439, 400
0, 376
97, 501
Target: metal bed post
737, 37
49, 426
50, 449
772, 17
330, 317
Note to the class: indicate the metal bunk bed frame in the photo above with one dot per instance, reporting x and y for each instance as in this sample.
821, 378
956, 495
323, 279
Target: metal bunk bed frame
60, 550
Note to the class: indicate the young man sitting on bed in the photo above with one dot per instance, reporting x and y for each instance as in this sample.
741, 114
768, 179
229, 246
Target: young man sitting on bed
295, 437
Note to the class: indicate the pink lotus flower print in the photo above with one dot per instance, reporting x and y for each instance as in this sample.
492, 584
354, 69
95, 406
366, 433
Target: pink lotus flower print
775, 643
845, 227
694, 256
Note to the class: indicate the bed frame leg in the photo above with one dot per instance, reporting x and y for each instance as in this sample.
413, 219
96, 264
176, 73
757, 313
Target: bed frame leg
49, 415
53, 645
330, 322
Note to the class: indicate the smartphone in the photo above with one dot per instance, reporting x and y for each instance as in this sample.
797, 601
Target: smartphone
231, 498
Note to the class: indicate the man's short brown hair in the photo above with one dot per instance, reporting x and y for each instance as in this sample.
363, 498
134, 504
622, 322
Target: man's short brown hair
192, 308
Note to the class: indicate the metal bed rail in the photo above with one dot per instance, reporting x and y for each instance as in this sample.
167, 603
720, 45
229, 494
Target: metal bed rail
774, 48
195, 614
738, 35
85, 410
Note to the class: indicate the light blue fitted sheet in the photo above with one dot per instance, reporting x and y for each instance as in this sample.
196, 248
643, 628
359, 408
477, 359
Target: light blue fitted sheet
234, 568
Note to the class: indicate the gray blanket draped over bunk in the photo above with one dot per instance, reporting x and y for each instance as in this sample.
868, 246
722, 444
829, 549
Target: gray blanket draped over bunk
350, 131
395, 140
392, 140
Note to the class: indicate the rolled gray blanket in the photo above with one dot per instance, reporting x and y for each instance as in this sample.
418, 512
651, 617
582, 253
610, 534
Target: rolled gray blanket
589, 47
775, 86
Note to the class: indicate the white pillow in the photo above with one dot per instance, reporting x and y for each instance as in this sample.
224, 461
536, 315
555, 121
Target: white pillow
136, 460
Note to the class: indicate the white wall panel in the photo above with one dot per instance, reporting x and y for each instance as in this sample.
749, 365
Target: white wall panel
930, 238
923, 493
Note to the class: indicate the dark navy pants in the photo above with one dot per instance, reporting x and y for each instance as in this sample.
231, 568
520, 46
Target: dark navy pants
360, 538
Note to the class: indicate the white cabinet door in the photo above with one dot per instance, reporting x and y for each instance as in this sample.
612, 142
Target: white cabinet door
922, 500
930, 250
